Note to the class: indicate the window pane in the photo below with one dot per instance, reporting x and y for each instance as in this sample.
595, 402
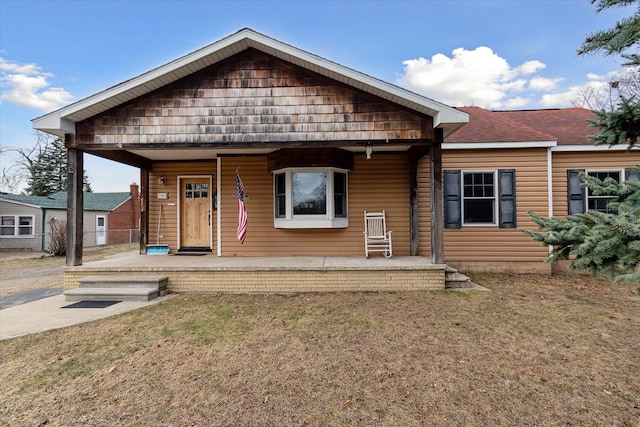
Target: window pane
6, 225
281, 187
340, 194
196, 186
25, 226
309, 193
281, 207
599, 203
205, 186
100, 221
478, 184
187, 186
280, 191
189, 194
604, 175
204, 194
478, 211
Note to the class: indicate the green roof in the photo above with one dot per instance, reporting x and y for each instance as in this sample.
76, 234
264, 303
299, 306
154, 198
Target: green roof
92, 201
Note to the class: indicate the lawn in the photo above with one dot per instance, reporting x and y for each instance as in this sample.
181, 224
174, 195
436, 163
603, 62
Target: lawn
533, 351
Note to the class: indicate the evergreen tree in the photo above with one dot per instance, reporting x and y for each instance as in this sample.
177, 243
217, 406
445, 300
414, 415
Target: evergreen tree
605, 243
621, 126
599, 243
618, 40
48, 170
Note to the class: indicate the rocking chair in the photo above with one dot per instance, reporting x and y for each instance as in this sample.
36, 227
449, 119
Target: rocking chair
376, 236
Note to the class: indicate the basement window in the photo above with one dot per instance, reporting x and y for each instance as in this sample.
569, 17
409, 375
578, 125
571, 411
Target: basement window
310, 198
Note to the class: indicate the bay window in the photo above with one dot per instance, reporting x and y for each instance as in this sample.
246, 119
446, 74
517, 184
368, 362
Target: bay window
310, 198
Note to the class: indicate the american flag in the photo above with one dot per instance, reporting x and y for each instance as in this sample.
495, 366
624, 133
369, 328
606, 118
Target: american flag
242, 211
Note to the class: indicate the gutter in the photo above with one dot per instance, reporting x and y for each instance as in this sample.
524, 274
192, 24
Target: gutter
44, 228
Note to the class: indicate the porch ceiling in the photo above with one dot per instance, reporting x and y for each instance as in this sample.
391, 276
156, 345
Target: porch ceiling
212, 153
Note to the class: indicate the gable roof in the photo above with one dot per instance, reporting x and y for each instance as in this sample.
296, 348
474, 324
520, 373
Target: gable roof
562, 129
490, 127
92, 201
63, 120
569, 126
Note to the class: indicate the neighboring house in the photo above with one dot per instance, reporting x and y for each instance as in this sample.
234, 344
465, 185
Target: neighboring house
315, 144
25, 220
123, 222
504, 164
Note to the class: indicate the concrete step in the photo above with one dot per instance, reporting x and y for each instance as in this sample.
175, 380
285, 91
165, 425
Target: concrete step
159, 282
118, 288
111, 294
455, 280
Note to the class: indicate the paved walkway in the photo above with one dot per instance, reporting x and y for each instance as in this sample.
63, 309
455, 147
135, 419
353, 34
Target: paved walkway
28, 296
48, 313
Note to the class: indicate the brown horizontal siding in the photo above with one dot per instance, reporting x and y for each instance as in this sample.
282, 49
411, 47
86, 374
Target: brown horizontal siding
252, 98
424, 206
491, 243
377, 184
563, 161
169, 220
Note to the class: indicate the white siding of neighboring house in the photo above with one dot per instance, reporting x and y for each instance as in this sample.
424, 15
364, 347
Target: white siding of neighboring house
23, 243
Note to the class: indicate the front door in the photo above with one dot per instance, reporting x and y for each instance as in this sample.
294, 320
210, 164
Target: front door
101, 230
195, 212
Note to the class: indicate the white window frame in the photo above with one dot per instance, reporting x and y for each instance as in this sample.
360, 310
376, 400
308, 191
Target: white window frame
328, 220
495, 199
16, 227
620, 172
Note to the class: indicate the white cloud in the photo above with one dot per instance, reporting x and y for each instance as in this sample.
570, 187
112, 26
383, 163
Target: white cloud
28, 85
476, 77
544, 84
577, 95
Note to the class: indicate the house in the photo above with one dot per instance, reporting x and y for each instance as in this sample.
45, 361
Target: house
306, 146
513, 162
108, 218
292, 125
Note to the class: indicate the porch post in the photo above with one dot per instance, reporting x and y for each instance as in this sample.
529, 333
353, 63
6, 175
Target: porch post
437, 202
75, 199
144, 210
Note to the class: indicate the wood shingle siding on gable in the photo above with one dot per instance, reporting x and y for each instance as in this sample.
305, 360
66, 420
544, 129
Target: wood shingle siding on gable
471, 244
251, 99
595, 160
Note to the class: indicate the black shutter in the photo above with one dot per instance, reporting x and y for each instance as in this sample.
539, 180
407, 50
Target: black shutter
575, 191
507, 198
632, 175
452, 199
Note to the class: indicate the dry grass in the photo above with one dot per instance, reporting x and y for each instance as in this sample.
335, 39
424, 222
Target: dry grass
533, 351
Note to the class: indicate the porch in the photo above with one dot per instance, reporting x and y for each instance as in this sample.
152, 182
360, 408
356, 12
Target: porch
210, 273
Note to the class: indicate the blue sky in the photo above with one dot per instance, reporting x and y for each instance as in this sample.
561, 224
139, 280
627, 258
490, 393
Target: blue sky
494, 54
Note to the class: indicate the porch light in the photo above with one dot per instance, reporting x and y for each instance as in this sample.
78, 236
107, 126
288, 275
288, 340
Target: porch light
161, 180
369, 151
